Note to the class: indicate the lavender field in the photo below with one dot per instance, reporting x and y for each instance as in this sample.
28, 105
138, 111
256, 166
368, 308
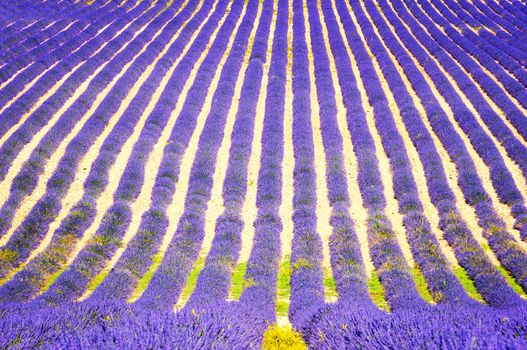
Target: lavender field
263, 174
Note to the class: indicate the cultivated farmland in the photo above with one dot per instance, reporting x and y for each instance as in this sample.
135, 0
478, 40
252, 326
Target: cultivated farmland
263, 174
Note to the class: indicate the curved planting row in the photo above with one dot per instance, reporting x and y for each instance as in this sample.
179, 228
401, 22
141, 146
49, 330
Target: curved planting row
80, 217
259, 280
100, 248
423, 243
35, 224
507, 250
213, 282
470, 255
186, 212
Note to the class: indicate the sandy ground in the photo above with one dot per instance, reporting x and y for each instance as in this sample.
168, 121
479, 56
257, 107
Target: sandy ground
288, 160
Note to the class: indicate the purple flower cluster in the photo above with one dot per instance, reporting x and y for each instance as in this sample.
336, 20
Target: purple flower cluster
340, 327
307, 290
115, 326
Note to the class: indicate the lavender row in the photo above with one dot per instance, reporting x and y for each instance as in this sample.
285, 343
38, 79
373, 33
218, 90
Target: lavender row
463, 55
452, 327
34, 227
307, 289
214, 280
425, 247
8, 42
493, 45
46, 61
520, 6
123, 278
262, 265
136, 259
34, 33
13, 113
505, 186
493, 59
121, 281
33, 277
10, 12
346, 259
169, 279
41, 116
51, 37
110, 326
502, 242
469, 254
